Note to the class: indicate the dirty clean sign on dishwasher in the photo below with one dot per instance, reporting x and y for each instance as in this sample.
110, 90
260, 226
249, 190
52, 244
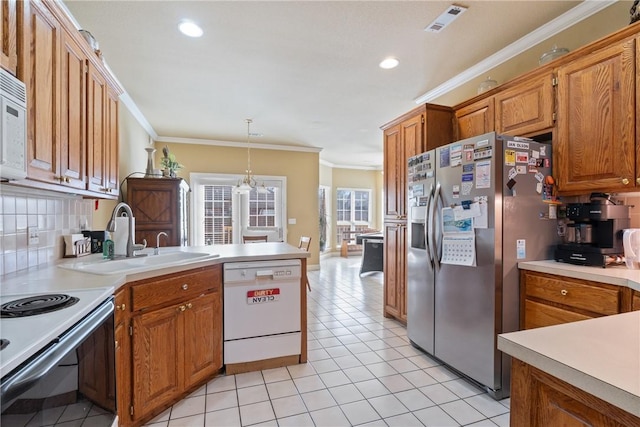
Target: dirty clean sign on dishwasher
263, 295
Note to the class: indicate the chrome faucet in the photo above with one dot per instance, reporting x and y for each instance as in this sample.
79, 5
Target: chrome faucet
156, 251
111, 226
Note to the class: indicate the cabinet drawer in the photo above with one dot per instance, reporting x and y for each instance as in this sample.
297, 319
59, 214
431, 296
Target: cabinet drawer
538, 315
584, 295
179, 286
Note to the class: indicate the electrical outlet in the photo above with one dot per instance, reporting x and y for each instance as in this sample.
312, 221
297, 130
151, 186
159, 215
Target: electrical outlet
34, 235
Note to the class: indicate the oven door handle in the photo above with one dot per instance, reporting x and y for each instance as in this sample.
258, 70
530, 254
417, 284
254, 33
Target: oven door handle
14, 385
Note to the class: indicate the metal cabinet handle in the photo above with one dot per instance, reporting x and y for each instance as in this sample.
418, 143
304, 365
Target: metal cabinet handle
182, 308
189, 305
117, 345
185, 287
121, 307
638, 180
564, 292
625, 181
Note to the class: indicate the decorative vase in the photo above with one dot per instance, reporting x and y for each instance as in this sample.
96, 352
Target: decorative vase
149, 172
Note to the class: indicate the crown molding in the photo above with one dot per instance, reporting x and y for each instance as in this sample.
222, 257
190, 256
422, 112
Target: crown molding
218, 143
553, 27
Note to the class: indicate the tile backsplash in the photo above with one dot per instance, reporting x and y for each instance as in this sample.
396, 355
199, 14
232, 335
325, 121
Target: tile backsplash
54, 214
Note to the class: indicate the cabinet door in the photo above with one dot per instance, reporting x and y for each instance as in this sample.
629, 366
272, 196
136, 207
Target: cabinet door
42, 77
635, 303
111, 140
395, 270
157, 205
392, 157
476, 119
96, 136
157, 359
525, 108
73, 96
202, 338
595, 146
9, 41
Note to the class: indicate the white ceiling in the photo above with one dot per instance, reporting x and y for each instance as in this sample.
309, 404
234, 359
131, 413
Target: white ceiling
306, 72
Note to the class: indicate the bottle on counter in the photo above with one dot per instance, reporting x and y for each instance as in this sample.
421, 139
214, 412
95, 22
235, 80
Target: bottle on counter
108, 248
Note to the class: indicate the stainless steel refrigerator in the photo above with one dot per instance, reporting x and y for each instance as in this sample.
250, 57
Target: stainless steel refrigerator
476, 208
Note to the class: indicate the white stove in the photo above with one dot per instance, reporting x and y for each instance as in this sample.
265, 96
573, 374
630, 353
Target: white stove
27, 335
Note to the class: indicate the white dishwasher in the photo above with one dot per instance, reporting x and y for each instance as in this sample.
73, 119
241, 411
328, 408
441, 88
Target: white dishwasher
261, 310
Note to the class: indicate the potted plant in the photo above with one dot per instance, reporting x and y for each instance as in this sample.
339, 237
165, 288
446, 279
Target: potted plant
169, 163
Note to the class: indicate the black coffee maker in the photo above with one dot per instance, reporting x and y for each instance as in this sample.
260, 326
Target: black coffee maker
595, 235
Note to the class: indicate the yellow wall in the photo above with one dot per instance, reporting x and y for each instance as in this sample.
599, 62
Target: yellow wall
358, 179
300, 168
132, 158
584, 32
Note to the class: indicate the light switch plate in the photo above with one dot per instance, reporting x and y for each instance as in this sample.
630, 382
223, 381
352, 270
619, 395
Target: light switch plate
292, 221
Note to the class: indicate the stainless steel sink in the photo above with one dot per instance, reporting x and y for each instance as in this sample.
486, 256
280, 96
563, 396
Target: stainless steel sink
137, 264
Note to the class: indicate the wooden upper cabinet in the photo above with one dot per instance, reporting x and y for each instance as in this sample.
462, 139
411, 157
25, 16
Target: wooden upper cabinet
475, 119
525, 108
392, 193
73, 96
42, 75
96, 135
595, 146
423, 128
72, 101
9, 42
111, 137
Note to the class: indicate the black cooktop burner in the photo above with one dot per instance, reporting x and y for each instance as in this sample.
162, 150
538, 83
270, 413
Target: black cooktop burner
38, 304
3, 343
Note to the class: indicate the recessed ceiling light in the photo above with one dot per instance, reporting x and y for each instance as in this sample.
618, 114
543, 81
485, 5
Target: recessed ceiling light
190, 28
389, 63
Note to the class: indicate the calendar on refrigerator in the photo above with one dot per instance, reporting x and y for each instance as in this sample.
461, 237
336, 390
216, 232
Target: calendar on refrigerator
459, 249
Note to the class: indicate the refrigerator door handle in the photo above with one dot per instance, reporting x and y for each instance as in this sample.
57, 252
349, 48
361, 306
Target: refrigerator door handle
436, 245
428, 225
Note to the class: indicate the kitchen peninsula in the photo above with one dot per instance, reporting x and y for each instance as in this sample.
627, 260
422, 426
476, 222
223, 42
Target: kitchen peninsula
587, 371
168, 319
578, 357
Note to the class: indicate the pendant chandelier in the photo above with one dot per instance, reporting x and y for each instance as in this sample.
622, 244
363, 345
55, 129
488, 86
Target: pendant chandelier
248, 181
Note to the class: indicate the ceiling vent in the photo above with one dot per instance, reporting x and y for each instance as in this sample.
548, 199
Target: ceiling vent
447, 17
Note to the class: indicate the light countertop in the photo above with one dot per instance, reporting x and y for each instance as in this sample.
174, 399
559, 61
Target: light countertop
54, 279
600, 356
51, 277
617, 275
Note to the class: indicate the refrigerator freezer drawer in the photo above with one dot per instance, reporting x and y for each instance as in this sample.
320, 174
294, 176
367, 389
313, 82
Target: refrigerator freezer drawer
261, 348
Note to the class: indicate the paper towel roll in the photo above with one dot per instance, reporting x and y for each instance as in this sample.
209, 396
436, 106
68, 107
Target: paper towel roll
121, 235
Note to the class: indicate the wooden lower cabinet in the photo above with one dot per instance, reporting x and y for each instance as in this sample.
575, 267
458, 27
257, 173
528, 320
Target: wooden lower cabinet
540, 400
395, 271
172, 340
635, 303
547, 299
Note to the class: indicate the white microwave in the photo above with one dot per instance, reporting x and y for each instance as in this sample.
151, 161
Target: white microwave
13, 127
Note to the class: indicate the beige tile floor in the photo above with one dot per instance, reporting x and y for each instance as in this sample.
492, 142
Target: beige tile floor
362, 371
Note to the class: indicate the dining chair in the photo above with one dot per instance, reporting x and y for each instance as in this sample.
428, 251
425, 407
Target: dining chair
304, 243
254, 239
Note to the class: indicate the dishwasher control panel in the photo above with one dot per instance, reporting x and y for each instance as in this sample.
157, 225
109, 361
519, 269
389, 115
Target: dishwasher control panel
262, 270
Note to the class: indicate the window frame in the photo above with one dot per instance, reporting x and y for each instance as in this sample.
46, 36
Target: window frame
240, 208
353, 224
